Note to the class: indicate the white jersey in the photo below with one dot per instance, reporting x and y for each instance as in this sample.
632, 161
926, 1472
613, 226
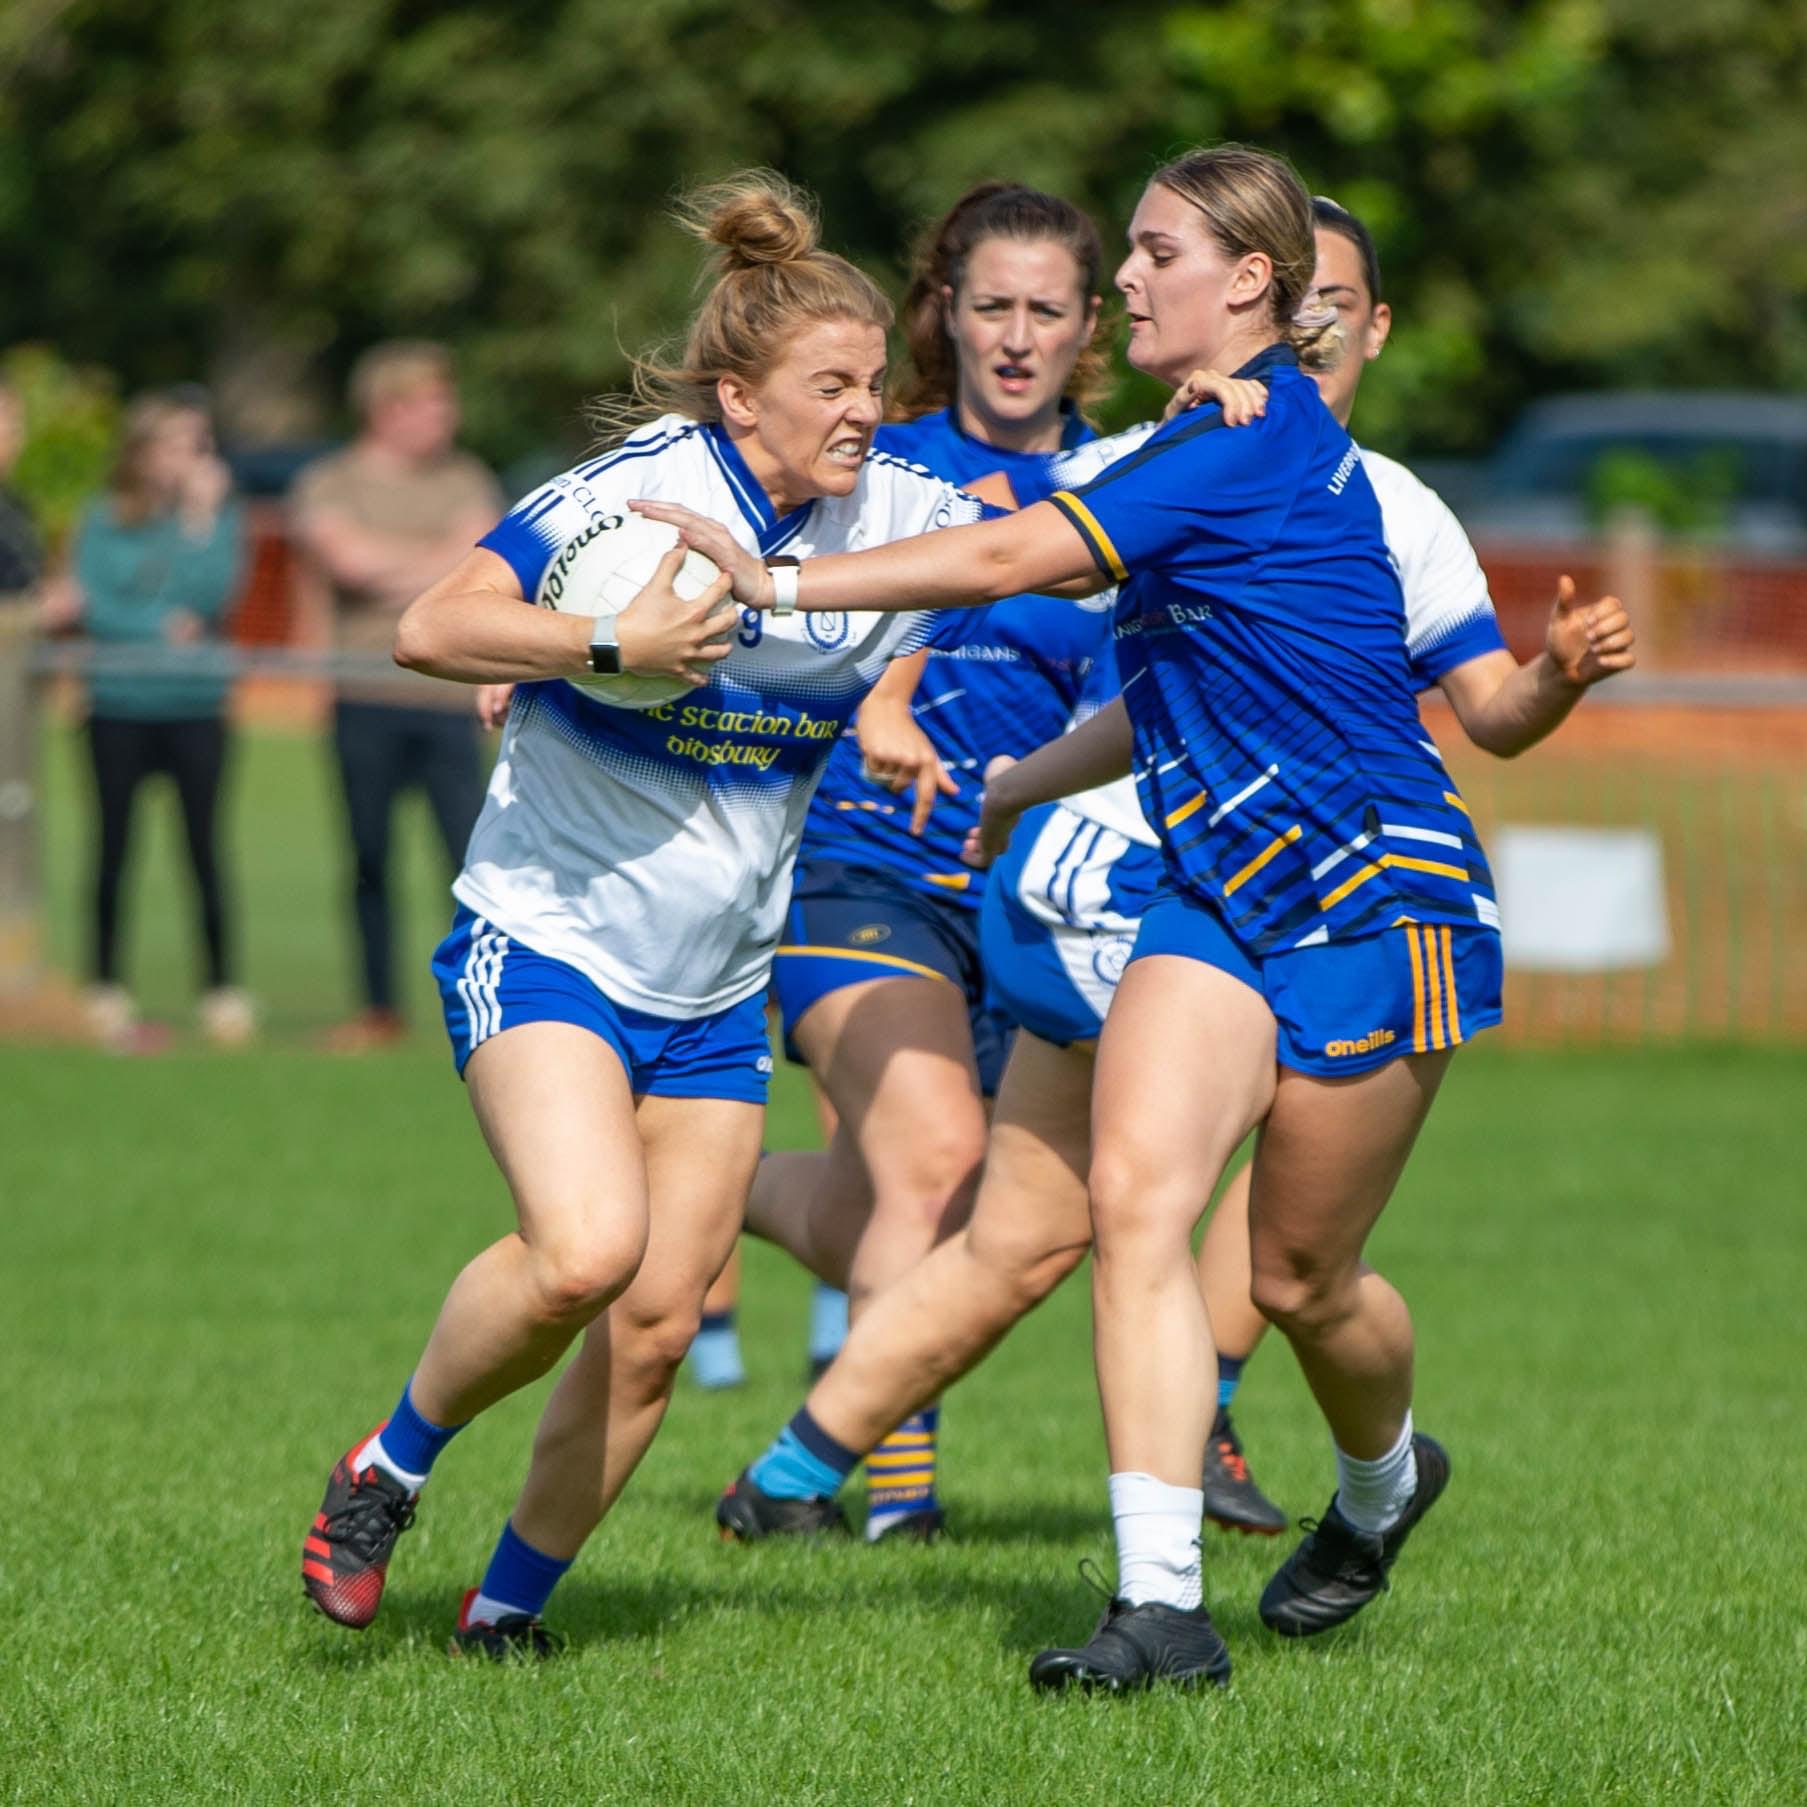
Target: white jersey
1449, 615
652, 848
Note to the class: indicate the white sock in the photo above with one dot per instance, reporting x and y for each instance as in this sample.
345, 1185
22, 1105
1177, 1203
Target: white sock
1157, 1540
373, 1455
1372, 1495
485, 1611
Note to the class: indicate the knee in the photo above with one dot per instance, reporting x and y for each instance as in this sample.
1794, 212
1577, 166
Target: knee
651, 1340
1132, 1204
1018, 1276
575, 1280
939, 1174
1299, 1297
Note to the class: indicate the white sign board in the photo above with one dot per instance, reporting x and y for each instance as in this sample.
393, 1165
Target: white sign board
1581, 900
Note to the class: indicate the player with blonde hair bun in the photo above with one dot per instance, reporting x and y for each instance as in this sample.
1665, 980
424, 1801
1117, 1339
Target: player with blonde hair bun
605, 974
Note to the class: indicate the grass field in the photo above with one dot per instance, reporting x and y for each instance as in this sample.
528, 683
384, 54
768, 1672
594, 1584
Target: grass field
217, 1270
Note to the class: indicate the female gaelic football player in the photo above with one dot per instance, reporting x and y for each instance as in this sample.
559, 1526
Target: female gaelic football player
878, 976
1325, 934
1059, 920
604, 978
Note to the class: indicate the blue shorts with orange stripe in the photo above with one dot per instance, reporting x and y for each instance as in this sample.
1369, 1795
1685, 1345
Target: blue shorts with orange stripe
849, 924
1347, 1006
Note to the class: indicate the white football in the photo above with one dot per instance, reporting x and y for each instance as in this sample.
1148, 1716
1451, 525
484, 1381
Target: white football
601, 572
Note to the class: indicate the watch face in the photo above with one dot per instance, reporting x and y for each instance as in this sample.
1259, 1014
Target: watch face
605, 658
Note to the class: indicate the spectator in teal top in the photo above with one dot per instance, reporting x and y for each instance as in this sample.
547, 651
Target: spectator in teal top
157, 560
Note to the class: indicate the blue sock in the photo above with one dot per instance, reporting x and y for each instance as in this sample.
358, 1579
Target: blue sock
827, 1322
715, 1352
804, 1462
410, 1442
519, 1577
1229, 1373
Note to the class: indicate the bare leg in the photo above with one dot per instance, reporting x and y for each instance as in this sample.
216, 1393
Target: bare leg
1178, 1030
724, 1293
788, 1206
554, 1106
700, 1155
895, 1058
1326, 1164
1224, 1274
1029, 1228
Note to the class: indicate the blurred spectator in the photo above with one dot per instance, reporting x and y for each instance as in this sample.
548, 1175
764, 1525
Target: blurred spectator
21, 551
157, 558
376, 524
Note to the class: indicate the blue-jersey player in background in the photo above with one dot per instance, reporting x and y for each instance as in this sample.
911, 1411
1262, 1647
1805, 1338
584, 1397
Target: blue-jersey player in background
878, 975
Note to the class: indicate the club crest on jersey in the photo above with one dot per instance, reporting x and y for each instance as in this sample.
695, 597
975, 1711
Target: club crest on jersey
827, 631
1110, 956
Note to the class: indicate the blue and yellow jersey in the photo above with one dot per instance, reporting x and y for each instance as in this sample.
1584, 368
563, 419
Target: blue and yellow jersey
1261, 638
1009, 682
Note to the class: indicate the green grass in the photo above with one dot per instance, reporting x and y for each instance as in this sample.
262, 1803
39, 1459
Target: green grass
218, 1269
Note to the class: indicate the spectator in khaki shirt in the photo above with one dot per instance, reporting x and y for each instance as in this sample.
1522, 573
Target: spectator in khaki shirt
376, 524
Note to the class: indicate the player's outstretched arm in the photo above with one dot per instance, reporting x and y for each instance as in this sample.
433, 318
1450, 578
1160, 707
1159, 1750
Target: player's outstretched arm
1505, 708
1094, 753
955, 567
472, 627
893, 747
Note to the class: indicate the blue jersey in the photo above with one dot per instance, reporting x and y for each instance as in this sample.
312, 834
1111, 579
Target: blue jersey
1262, 642
1008, 682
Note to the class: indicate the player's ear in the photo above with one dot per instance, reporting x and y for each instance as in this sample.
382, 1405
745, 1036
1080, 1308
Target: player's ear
1380, 324
1253, 274
739, 401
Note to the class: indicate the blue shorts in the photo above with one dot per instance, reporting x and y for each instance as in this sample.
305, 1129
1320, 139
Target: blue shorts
849, 924
1059, 919
489, 982
1348, 1006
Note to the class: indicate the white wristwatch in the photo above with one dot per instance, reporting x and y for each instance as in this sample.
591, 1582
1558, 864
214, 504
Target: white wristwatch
785, 573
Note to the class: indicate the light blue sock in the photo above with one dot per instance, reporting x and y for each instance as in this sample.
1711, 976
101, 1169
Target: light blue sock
827, 1323
804, 1462
715, 1352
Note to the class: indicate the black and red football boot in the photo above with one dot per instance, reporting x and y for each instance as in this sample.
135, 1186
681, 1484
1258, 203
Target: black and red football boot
345, 1557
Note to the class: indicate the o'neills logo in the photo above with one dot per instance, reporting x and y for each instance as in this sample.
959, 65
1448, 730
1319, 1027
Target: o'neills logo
552, 586
1375, 1038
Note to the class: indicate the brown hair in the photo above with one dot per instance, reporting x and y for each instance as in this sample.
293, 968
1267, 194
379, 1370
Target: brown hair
992, 210
1254, 201
772, 279
134, 501
392, 369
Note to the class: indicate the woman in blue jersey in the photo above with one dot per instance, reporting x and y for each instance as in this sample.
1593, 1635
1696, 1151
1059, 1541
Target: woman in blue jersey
878, 977
623, 889
1325, 935
1061, 910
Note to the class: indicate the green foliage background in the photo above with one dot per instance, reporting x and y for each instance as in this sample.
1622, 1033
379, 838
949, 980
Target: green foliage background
1566, 192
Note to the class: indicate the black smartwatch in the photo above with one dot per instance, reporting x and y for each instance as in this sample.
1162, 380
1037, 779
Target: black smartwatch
605, 649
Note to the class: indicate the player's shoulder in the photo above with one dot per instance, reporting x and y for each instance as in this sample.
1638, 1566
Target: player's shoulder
899, 489
1413, 513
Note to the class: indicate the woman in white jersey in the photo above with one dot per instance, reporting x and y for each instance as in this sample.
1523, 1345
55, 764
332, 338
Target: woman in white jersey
605, 975
1326, 934
1058, 923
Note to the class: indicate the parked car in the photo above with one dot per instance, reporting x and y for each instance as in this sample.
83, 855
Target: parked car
1718, 465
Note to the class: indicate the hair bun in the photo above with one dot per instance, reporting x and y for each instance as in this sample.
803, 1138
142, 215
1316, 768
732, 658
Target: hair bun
757, 217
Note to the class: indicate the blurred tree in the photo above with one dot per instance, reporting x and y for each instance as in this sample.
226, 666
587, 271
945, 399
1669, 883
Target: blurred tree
1565, 191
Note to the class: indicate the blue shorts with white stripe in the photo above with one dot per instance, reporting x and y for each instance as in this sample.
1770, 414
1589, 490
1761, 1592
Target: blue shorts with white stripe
489, 982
